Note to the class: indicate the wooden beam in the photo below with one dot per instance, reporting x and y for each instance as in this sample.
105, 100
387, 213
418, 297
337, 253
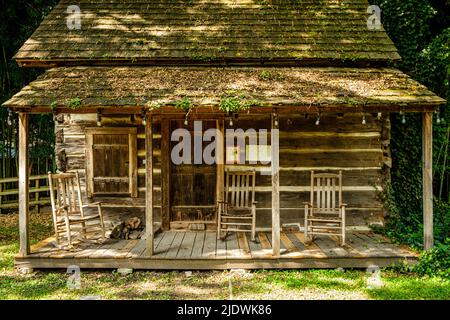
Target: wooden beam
149, 185
89, 165
211, 111
133, 164
220, 159
165, 173
275, 164
427, 158
24, 215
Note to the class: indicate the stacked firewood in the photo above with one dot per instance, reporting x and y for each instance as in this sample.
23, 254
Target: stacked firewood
130, 229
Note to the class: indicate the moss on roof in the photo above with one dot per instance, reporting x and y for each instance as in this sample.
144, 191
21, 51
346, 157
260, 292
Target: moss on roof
209, 30
141, 86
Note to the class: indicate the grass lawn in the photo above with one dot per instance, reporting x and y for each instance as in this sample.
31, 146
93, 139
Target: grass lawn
292, 284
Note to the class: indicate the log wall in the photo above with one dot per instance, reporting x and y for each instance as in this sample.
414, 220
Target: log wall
361, 151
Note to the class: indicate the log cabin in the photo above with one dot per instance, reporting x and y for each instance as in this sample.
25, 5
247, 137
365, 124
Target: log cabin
121, 76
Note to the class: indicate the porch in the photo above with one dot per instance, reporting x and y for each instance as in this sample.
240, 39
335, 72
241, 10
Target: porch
190, 250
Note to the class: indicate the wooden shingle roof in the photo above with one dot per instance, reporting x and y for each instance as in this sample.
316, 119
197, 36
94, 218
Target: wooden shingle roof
207, 31
124, 89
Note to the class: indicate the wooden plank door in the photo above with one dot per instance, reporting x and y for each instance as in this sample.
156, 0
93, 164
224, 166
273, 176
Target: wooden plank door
193, 186
111, 161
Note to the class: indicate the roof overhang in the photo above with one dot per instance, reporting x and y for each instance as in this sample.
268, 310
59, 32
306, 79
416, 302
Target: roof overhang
128, 90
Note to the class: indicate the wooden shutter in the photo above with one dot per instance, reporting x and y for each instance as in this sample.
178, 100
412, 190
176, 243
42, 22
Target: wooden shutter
111, 161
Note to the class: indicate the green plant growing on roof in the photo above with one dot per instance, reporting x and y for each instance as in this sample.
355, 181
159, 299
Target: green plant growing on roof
153, 105
53, 105
352, 101
184, 104
74, 103
234, 103
265, 75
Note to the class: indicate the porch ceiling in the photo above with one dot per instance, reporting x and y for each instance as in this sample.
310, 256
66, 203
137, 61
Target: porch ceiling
129, 89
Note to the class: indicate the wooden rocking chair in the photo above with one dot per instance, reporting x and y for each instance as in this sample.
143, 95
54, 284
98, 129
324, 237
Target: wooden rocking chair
325, 213
68, 209
237, 212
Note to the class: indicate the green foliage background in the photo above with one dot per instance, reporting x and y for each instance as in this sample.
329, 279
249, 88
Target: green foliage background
419, 28
18, 20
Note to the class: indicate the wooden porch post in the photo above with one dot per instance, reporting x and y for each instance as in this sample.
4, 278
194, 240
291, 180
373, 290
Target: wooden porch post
220, 160
149, 185
275, 189
24, 215
427, 175
165, 173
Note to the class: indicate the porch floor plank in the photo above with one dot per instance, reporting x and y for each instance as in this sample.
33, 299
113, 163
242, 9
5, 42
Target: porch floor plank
244, 248
175, 246
198, 245
46, 250
221, 250
209, 247
363, 247
269, 239
291, 251
313, 249
232, 246
187, 245
287, 243
256, 249
123, 252
156, 241
387, 243
334, 246
373, 247
100, 248
165, 243
264, 241
111, 252
383, 243
137, 250
351, 251
328, 247
40, 246
296, 241
188, 250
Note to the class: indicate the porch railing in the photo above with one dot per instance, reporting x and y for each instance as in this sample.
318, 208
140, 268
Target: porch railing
39, 192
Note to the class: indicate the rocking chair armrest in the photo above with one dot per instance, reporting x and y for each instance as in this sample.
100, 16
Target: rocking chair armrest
309, 204
92, 204
342, 205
